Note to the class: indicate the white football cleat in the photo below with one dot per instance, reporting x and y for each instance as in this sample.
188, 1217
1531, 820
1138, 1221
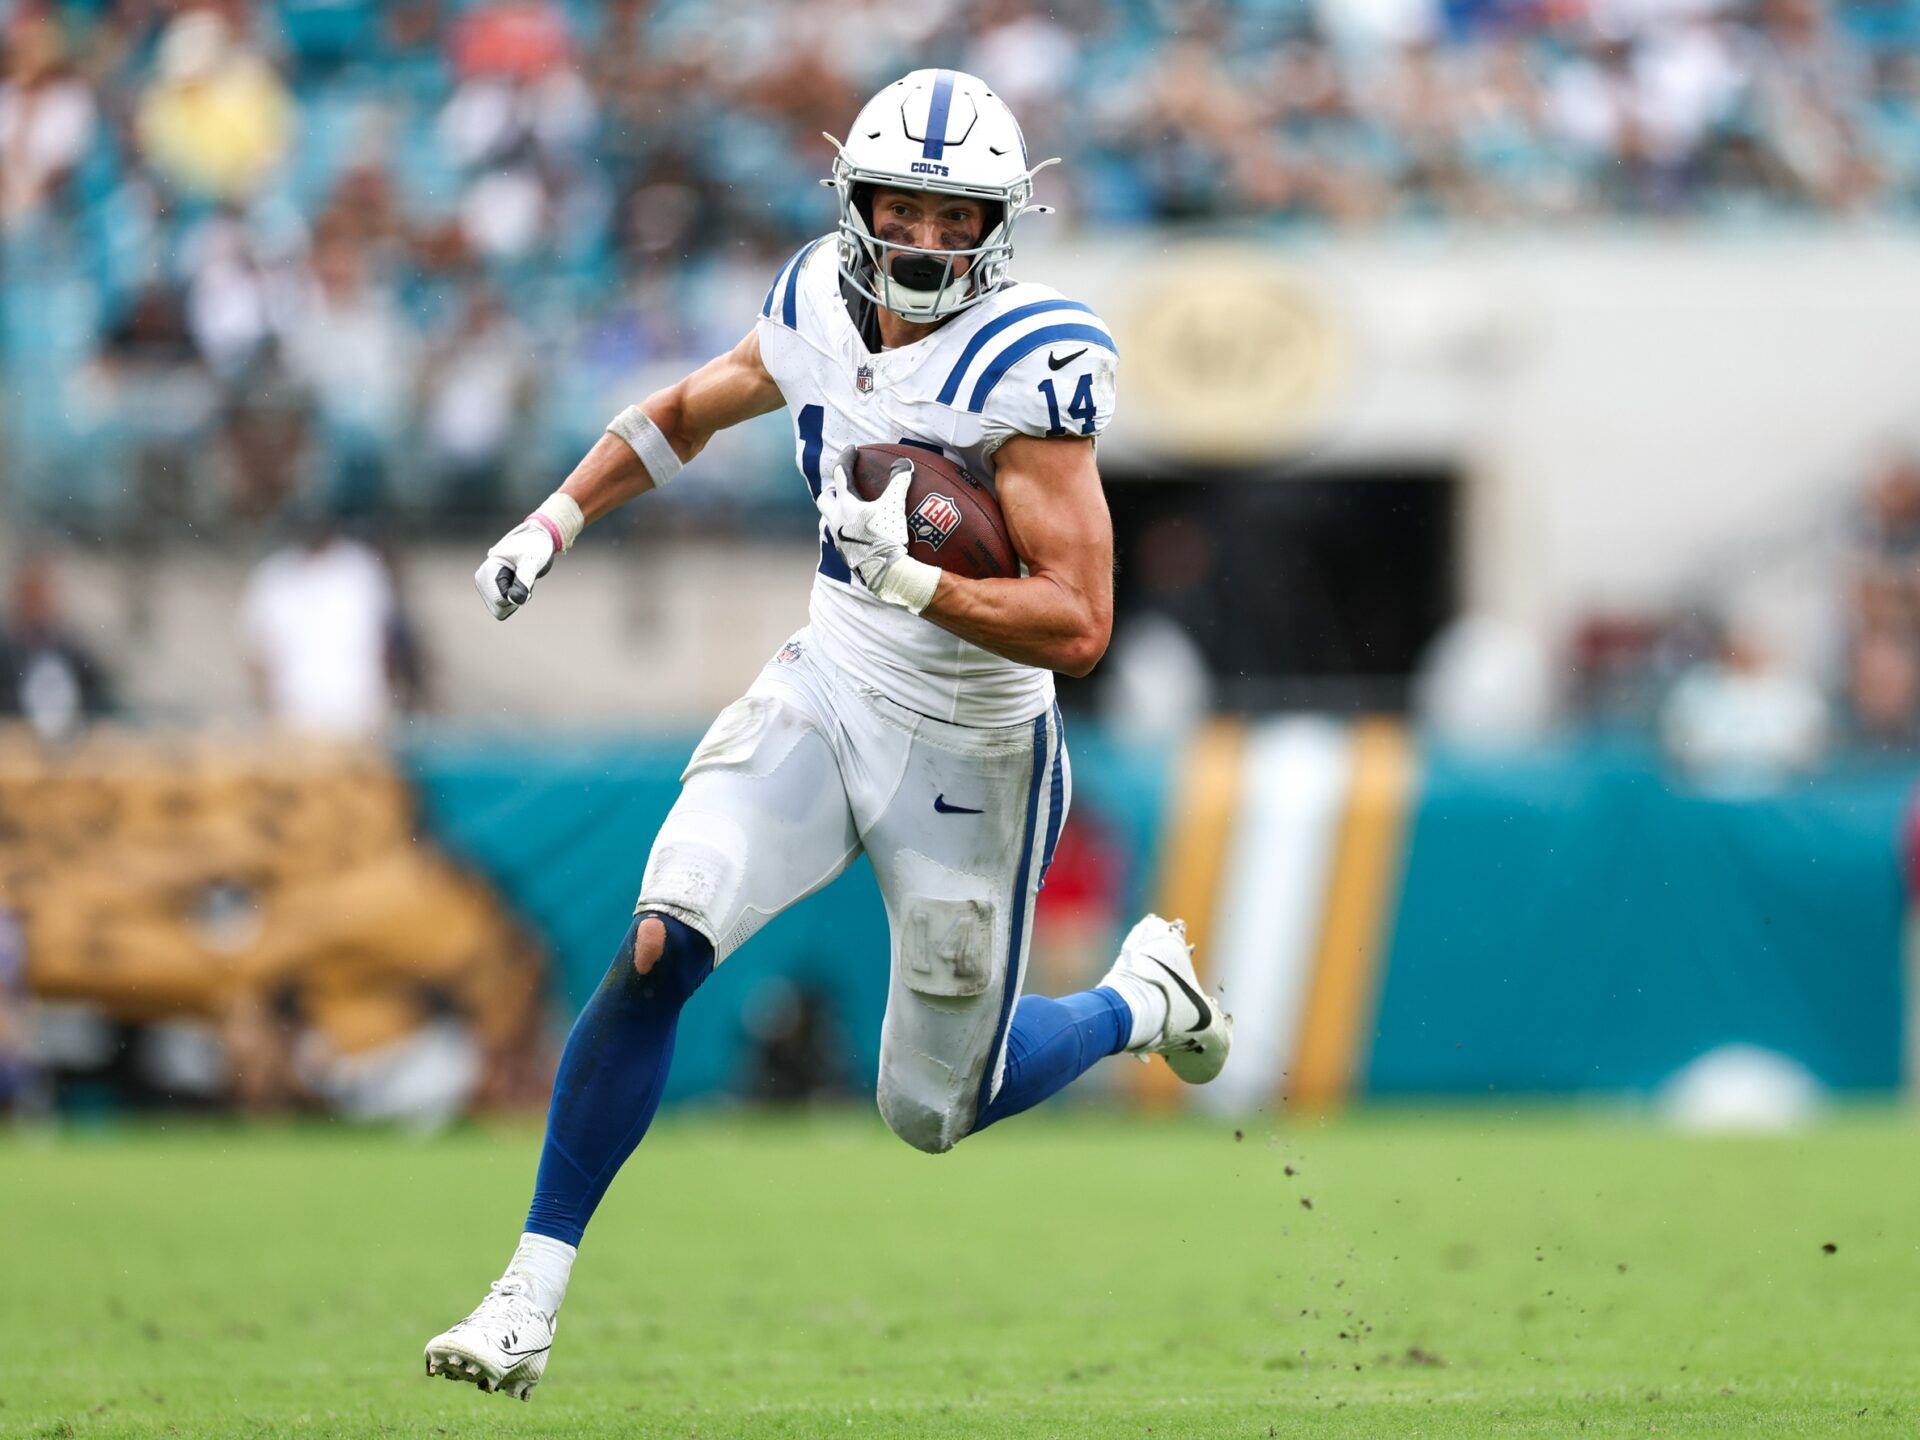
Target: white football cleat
501, 1346
1199, 1032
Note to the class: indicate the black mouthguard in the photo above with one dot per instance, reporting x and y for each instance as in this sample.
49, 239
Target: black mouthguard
918, 272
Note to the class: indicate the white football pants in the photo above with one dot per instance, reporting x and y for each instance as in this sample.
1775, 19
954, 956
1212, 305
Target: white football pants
808, 769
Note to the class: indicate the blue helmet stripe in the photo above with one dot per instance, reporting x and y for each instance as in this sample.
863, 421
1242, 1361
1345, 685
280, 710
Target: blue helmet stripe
995, 327
1025, 346
780, 274
790, 302
936, 142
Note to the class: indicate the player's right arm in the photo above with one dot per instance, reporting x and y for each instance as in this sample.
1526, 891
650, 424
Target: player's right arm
644, 448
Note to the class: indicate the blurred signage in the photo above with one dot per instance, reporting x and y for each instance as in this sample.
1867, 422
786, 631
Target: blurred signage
1228, 357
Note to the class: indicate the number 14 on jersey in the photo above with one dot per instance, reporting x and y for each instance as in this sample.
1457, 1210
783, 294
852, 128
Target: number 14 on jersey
1079, 408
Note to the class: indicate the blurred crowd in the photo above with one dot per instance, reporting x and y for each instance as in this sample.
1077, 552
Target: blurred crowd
1731, 705
360, 257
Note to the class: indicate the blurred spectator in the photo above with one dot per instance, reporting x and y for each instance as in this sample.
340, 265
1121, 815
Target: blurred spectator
1883, 670
238, 303
1811, 89
18, 1081
352, 348
317, 623
154, 399
1484, 684
522, 39
260, 1032
216, 121
797, 1044
1155, 681
47, 118
1077, 919
596, 158
1740, 722
51, 680
478, 382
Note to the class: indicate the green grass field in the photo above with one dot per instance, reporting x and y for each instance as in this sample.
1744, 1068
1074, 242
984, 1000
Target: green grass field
1459, 1274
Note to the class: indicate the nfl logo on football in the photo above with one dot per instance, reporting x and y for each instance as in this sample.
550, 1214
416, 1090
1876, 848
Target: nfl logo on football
863, 379
933, 520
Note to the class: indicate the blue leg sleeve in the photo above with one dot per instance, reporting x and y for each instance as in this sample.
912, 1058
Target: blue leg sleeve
611, 1076
1054, 1042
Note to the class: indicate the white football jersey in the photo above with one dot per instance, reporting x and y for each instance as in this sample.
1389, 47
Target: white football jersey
1024, 361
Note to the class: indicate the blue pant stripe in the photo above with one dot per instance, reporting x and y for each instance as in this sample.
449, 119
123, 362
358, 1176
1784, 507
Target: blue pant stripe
1018, 918
1057, 806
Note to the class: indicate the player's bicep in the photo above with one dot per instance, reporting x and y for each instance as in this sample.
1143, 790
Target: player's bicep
1056, 512
725, 391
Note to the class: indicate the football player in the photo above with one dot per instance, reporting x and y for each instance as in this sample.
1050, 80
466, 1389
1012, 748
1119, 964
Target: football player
912, 719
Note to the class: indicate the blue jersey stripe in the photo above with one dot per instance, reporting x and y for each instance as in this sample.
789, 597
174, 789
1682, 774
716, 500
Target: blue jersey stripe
1022, 884
935, 144
833, 564
1025, 346
774, 289
811, 423
790, 303
995, 327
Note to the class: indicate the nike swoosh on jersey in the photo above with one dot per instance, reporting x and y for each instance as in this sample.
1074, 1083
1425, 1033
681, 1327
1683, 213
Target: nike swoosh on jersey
941, 807
1054, 362
1199, 1000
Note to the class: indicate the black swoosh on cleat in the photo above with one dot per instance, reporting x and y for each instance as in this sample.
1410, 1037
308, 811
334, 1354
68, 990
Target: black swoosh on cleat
1199, 1000
526, 1354
1054, 362
941, 807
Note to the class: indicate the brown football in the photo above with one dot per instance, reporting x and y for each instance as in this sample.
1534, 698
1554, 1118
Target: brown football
955, 522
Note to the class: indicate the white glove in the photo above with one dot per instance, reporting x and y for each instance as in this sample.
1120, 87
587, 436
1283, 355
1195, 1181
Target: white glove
872, 534
518, 558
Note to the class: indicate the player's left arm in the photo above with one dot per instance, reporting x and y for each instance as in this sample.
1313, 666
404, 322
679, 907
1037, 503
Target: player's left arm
1059, 615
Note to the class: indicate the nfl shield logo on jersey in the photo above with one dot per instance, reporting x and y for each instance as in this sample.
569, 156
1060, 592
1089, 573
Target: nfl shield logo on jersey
933, 520
863, 379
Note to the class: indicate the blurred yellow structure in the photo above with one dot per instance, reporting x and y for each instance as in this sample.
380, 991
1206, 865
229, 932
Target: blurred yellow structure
191, 875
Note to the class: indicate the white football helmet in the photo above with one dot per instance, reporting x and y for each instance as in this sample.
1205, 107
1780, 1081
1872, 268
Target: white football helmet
944, 131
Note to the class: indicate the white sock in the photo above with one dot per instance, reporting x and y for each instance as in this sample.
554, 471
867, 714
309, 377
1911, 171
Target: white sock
1146, 1000
544, 1264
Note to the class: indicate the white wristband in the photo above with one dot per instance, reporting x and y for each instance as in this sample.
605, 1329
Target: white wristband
911, 583
643, 437
564, 511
